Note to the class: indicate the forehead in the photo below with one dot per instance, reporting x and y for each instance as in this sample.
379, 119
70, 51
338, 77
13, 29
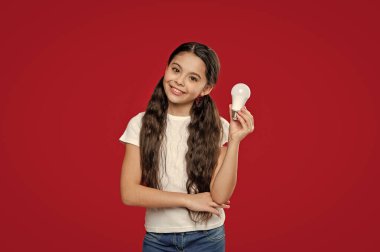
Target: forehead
190, 62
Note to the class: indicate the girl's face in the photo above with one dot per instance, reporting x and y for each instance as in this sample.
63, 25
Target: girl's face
185, 80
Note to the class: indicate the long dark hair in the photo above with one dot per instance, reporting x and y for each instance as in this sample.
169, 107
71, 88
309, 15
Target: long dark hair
205, 132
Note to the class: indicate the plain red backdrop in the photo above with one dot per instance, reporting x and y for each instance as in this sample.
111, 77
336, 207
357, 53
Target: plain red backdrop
74, 73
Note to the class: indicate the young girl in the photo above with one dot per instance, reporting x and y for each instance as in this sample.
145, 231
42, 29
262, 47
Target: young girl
176, 164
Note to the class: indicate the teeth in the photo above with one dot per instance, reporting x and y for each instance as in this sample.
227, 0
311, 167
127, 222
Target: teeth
176, 90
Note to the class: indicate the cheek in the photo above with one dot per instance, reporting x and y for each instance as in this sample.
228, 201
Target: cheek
166, 77
168, 74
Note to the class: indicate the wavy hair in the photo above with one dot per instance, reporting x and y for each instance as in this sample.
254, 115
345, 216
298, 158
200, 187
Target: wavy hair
205, 132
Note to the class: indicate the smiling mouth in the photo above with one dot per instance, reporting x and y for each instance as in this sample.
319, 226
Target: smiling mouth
176, 90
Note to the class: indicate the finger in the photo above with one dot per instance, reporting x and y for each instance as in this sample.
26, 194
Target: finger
214, 211
248, 118
246, 112
244, 117
242, 121
230, 106
251, 122
225, 206
213, 204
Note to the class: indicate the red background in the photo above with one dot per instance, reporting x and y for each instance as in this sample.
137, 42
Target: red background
73, 74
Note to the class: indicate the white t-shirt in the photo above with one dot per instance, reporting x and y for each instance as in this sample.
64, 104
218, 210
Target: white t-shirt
165, 220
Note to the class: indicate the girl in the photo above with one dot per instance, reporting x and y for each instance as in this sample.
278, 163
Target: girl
176, 164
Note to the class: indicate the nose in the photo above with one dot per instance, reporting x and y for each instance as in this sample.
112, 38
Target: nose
180, 80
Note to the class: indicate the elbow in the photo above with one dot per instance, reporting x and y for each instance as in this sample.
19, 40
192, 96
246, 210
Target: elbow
218, 198
219, 202
127, 201
127, 197
221, 197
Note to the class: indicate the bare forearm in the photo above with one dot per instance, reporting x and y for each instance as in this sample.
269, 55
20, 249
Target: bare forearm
138, 195
226, 178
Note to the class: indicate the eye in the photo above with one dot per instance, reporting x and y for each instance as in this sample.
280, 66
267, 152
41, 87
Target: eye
175, 69
193, 78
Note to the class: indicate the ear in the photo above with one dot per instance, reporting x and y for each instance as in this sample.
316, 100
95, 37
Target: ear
206, 90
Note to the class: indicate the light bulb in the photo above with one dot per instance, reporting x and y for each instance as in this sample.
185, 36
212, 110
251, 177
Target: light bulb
240, 94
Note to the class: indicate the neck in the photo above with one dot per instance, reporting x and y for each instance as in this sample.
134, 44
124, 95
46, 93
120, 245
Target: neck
176, 110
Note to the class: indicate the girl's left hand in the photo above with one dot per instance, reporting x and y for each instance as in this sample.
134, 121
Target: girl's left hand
241, 127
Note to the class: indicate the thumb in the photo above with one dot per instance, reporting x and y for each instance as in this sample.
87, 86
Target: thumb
230, 111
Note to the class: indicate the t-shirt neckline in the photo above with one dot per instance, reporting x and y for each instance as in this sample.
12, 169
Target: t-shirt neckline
174, 117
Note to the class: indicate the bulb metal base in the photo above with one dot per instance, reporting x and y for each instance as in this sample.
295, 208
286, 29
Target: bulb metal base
234, 115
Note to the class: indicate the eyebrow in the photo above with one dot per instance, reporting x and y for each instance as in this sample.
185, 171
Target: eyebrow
191, 72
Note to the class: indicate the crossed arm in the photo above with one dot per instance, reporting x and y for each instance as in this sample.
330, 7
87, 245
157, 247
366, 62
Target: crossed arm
134, 194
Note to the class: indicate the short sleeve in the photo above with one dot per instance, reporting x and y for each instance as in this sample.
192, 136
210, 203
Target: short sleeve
132, 132
225, 127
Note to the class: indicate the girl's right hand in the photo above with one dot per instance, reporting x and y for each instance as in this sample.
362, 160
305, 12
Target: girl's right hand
202, 202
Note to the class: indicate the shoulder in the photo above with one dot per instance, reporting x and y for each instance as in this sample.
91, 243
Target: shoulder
132, 132
139, 115
137, 119
135, 122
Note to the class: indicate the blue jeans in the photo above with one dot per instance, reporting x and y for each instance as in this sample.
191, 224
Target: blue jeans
212, 240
